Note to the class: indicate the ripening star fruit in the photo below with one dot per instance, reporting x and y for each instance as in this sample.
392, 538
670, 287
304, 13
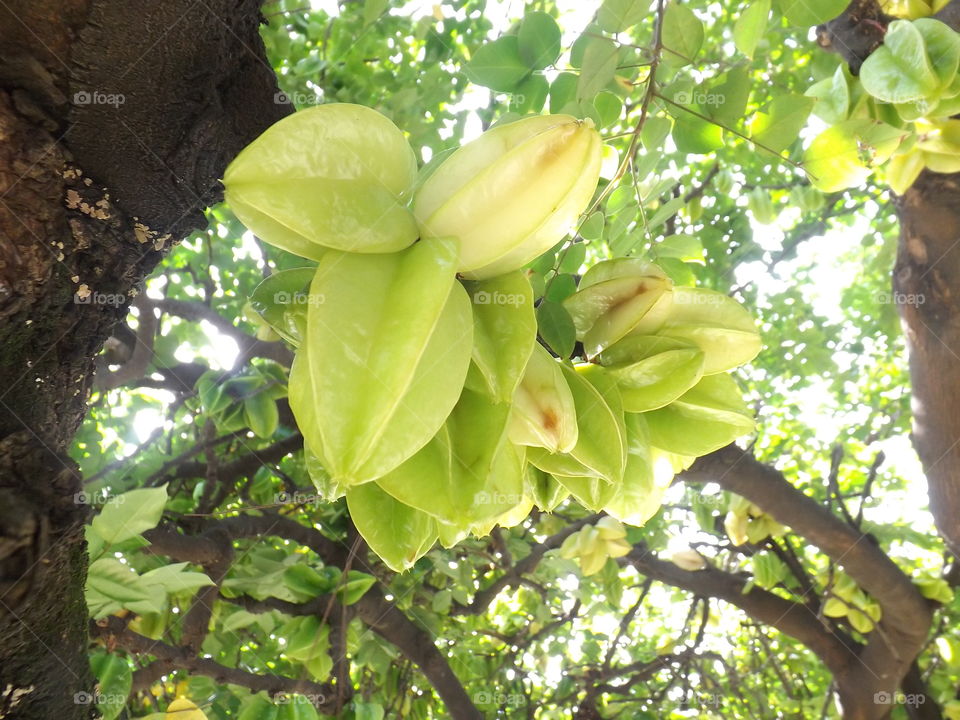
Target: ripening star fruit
331, 176
616, 297
513, 193
385, 358
716, 323
544, 414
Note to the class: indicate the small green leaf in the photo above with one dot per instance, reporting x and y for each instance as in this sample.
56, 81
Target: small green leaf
530, 95
684, 247
608, 107
127, 515
807, 13
373, 9
539, 40
600, 59
832, 96
900, 71
498, 65
556, 328
694, 135
682, 32
355, 587
563, 90
782, 121
616, 16
750, 26
114, 681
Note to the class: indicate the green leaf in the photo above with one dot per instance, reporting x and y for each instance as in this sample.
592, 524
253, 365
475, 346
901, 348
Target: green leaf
556, 328
355, 587
780, 124
682, 32
306, 581
281, 300
498, 65
694, 135
592, 227
373, 9
114, 681
530, 95
113, 586
127, 515
608, 107
807, 13
261, 414
846, 154
728, 99
174, 578
600, 58
539, 40
750, 26
396, 532
367, 711
258, 708
616, 16
684, 247
832, 96
563, 90
899, 71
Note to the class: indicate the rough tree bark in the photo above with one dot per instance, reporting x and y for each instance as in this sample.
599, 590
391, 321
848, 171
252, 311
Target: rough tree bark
116, 120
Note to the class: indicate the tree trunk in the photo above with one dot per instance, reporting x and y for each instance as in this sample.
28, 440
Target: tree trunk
116, 120
924, 281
